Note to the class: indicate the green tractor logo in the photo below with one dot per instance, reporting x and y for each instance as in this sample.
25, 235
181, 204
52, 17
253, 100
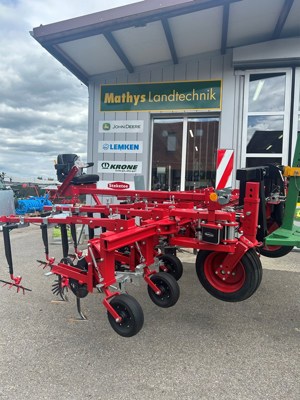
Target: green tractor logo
106, 126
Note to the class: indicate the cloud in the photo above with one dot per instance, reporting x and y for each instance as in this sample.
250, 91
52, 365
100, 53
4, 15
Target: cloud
43, 107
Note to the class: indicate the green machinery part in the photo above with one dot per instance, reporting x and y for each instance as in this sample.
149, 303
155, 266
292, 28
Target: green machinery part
289, 233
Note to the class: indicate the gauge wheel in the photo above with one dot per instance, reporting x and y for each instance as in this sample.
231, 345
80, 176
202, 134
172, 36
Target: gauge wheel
131, 313
168, 287
172, 265
241, 284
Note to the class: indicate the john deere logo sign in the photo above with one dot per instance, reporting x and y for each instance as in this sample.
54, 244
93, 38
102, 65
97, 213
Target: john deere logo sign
106, 126
190, 95
134, 126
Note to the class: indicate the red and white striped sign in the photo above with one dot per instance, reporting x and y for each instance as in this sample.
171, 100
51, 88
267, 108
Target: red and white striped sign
224, 168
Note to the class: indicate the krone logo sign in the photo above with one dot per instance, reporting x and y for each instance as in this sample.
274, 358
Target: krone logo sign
105, 165
120, 166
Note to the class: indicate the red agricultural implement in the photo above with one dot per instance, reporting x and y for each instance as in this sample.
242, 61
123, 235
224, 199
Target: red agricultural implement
137, 235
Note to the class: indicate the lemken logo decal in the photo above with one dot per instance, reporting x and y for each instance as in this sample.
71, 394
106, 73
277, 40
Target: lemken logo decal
121, 146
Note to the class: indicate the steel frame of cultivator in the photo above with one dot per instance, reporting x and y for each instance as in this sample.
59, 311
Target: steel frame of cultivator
141, 228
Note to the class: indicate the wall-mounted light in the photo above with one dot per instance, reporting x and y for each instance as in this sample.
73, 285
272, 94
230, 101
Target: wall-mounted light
196, 148
191, 133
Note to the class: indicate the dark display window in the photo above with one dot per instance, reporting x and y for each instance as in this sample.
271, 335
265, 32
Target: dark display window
184, 153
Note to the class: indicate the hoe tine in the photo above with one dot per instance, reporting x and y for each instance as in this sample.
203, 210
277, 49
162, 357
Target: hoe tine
19, 287
58, 288
44, 263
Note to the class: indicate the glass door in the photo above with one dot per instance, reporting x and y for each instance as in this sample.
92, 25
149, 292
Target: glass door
166, 154
184, 153
202, 144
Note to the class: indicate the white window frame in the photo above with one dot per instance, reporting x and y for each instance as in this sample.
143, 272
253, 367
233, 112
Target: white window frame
296, 123
185, 119
285, 113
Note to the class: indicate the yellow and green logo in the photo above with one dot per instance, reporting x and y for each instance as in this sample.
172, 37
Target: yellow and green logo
106, 126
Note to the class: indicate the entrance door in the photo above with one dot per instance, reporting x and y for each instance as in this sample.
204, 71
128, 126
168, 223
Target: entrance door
202, 144
184, 153
166, 154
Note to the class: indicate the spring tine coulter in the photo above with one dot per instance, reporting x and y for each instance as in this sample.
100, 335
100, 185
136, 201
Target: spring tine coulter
7, 245
64, 240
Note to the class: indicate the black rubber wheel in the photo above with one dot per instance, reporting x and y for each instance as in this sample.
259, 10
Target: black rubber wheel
169, 288
275, 251
172, 264
239, 285
255, 255
79, 289
274, 221
131, 313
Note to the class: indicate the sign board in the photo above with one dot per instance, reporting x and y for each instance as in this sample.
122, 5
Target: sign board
125, 167
224, 168
120, 147
115, 185
121, 126
164, 96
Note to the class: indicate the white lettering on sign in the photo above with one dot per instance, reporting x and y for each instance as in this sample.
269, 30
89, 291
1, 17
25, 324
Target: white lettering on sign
126, 167
118, 185
120, 147
115, 185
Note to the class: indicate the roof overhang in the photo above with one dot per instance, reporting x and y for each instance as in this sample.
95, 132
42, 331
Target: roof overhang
153, 31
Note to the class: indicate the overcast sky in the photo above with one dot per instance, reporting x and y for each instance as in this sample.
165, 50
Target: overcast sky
43, 107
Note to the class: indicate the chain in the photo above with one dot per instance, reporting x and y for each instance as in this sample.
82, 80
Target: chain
142, 258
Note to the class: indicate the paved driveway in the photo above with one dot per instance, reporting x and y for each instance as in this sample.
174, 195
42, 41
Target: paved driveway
200, 349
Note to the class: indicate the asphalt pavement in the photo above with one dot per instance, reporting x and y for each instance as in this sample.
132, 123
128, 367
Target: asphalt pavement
201, 348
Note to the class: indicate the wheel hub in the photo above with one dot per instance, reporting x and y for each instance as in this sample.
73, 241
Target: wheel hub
220, 278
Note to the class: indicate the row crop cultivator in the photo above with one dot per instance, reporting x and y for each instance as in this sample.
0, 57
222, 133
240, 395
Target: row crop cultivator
138, 235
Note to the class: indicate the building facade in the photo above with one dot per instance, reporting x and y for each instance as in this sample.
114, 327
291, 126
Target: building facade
158, 125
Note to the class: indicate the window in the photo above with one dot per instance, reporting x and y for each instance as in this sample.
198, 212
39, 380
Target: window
266, 117
184, 153
296, 125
